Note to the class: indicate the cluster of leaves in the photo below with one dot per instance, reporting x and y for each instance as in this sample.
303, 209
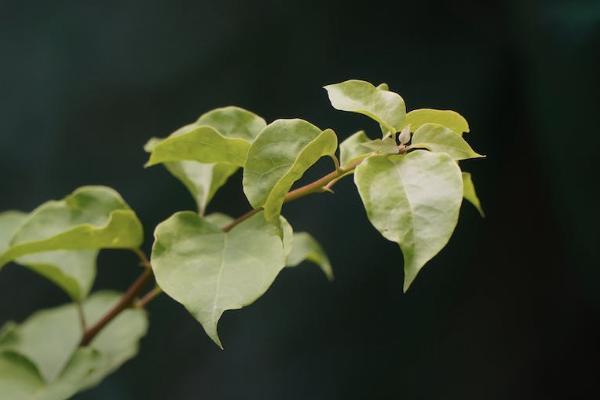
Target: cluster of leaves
408, 179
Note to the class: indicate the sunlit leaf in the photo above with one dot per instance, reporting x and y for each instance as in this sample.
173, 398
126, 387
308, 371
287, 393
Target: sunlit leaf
378, 103
200, 179
438, 138
412, 200
448, 118
220, 136
19, 379
305, 247
470, 194
91, 218
279, 156
353, 148
210, 271
74, 271
44, 351
234, 122
204, 179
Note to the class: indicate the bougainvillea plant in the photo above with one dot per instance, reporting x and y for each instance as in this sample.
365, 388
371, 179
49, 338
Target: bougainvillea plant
408, 178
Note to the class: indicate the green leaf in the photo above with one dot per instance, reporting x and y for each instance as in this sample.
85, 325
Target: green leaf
279, 156
91, 218
438, 138
119, 341
305, 247
219, 219
73, 271
200, 143
221, 136
354, 148
48, 339
202, 179
210, 271
234, 122
378, 103
470, 194
448, 118
413, 200
44, 353
19, 380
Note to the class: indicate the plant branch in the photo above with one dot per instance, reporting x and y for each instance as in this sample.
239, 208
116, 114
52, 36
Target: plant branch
148, 297
322, 184
124, 302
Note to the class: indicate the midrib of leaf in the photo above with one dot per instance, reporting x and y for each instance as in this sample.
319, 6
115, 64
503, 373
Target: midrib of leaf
218, 284
410, 207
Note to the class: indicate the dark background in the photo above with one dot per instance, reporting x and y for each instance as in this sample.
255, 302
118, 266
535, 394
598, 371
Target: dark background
509, 310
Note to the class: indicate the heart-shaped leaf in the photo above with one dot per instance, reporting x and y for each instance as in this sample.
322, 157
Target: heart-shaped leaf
378, 103
438, 138
210, 271
44, 355
305, 247
279, 156
413, 200
448, 118
221, 136
470, 194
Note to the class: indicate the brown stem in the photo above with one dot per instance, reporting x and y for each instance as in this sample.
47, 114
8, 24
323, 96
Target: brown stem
125, 301
320, 185
148, 297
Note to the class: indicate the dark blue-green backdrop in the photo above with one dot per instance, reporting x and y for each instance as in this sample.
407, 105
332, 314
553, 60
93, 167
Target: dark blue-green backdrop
509, 310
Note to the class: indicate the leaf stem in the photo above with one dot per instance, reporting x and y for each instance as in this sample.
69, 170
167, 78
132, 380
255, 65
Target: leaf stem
148, 297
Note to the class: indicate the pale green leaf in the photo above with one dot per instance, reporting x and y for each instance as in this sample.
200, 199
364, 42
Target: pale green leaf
210, 271
91, 218
73, 271
204, 179
223, 135
353, 148
448, 118
119, 341
49, 339
234, 122
200, 143
378, 103
438, 138
279, 157
470, 194
219, 219
413, 200
19, 379
305, 247
383, 146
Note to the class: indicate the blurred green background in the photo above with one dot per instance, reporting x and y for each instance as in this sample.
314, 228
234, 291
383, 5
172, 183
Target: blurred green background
510, 310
